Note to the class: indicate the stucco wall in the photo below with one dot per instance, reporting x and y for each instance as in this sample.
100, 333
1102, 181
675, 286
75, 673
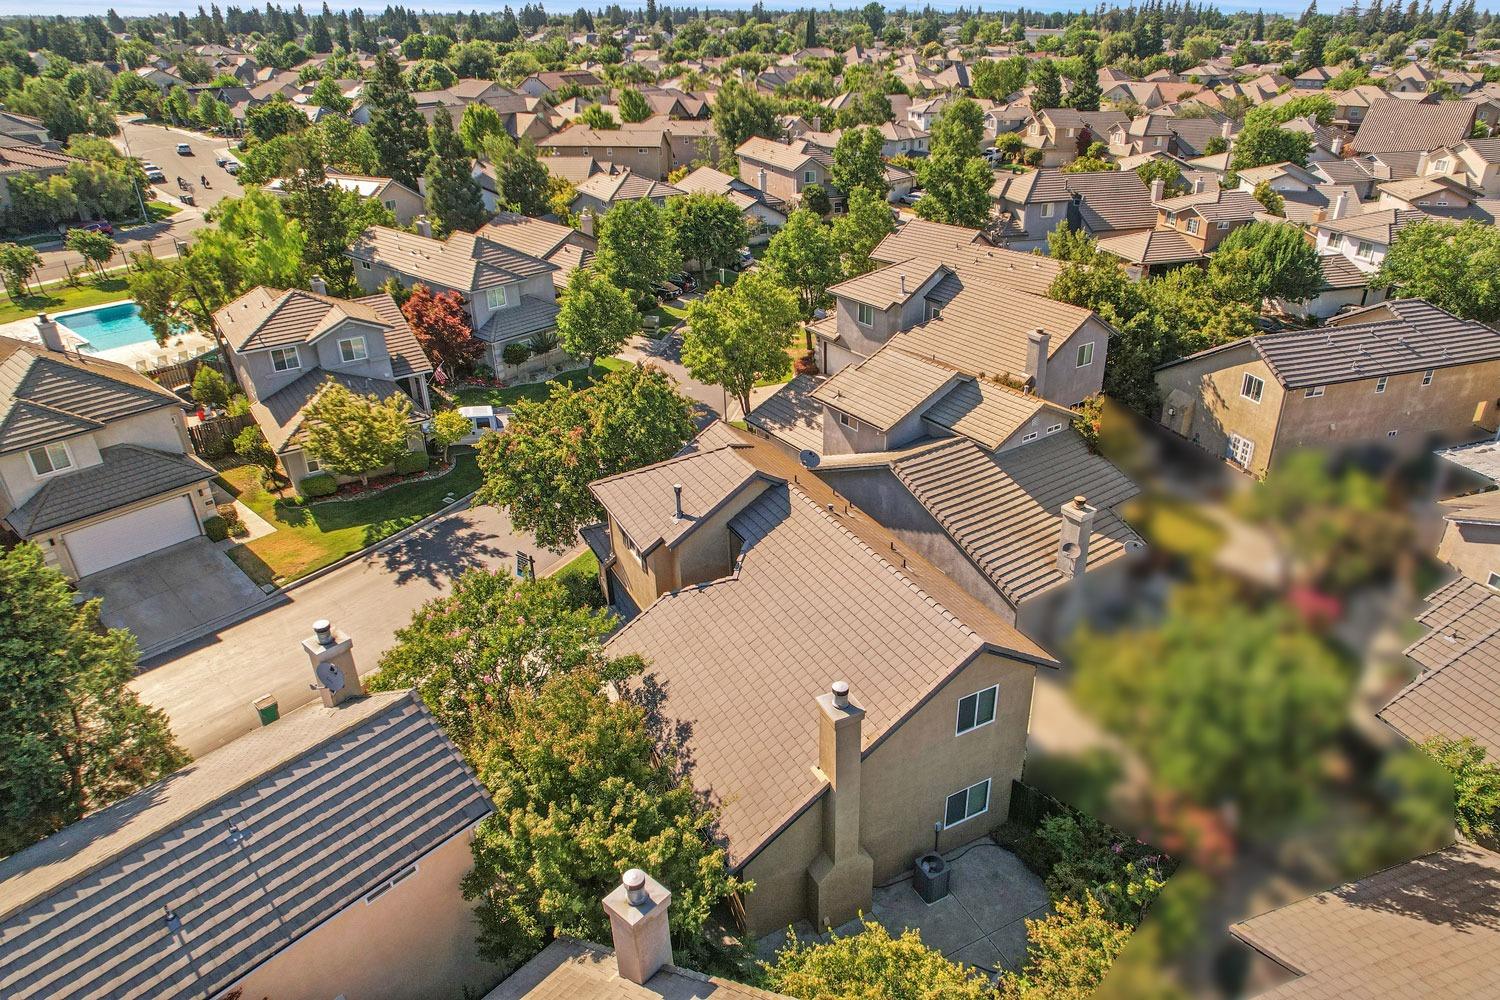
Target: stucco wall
1066, 382
1472, 549
1213, 382
161, 429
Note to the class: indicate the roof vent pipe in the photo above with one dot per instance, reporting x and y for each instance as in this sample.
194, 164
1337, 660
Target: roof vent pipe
677, 500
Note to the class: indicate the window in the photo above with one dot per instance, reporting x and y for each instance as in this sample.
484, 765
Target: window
1028, 436
977, 709
1312, 392
1252, 387
809, 177
1366, 250
1391, 434
1494, 581
864, 315
1047, 207
285, 359
353, 350
364, 265
965, 805
848, 421
1442, 165
1054, 428
609, 151
1241, 450
313, 465
50, 458
1085, 354
390, 203
1193, 227
1380, 385
934, 311
643, 152
1221, 225
1427, 376
496, 298
1336, 240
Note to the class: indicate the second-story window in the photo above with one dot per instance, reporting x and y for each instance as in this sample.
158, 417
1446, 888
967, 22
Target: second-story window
50, 458
353, 349
809, 177
976, 710
1380, 384
1193, 227
864, 314
1047, 209
285, 359
1427, 376
1085, 354
1252, 387
497, 298
1366, 250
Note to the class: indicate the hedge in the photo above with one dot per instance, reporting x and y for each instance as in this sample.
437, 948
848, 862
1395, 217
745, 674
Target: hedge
216, 528
412, 461
317, 484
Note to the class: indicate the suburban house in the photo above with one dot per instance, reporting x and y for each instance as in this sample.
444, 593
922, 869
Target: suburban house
1390, 378
18, 156
1180, 137
1471, 529
286, 346
403, 202
645, 149
510, 292
834, 763
1102, 203
319, 856
549, 82
601, 192
1063, 134
761, 210
1364, 239
1473, 163
564, 247
95, 463
1397, 126
1204, 218
781, 170
903, 139
23, 128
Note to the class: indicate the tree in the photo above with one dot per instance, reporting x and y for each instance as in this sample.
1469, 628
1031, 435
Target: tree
96, 248
441, 323
562, 770
1476, 783
453, 198
1267, 260
399, 131
997, 79
637, 248
73, 736
596, 318
739, 113
595, 116
1086, 92
17, 264
251, 445
448, 428
210, 387
815, 200
859, 231
1455, 267
954, 177
1262, 144
1164, 170
354, 435
480, 121
737, 335
710, 230
1068, 953
1048, 92
857, 161
633, 107
331, 218
872, 965
540, 466
522, 184
328, 94
254, 243
275, 117
802, 257
1270, 199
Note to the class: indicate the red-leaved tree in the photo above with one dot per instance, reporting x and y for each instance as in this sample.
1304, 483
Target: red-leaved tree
441, 323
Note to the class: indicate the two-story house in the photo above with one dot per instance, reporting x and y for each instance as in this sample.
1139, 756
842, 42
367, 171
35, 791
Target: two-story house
645, 149
1392, 378
1063, 134
1101, 203
404, 203
95, 463
782, 169
510, 293
286, 346
1473, 163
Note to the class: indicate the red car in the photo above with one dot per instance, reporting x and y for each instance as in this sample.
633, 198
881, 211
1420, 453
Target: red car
97, 226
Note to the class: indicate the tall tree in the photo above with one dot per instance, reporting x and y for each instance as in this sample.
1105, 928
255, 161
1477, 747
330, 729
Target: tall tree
1455, 267
1267, 260
1086, 91
73, 736
596, 318
801, 256
633, 107
859, 231
738, 113
399, 131
710, 230
737, 335
955, 178
331, 218
1048, 84
480, 121
354, 435
522, 183
857, 161
453, 199
637, 248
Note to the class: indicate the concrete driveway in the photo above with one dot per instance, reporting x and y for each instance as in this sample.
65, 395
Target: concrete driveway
171, 591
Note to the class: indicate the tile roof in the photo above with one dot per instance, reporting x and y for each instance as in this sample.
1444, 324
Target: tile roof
785, 156
1480, 457
917, 237
250, 847
1416, 337
625, 185
1402, 126
1004, 510
270, 317
48, 395
1215, 206
125, 474
528, 316
281, 414
885, 388
465, 262
792, 415
534, 237
988, 412
576, 135
25, 158
1459, 617
576, 970
1378, 227
888, 286
1339, 272
1109, 200
1426, 928
1153, 246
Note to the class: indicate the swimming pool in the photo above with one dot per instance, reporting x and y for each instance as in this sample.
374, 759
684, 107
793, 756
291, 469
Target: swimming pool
107, 327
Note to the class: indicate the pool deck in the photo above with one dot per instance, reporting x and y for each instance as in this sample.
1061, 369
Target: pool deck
147, 354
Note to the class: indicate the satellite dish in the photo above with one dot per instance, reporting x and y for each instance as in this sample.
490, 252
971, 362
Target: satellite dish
808, 458
330, 677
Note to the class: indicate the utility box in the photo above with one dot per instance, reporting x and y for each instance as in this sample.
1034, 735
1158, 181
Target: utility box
265, 706
931, 876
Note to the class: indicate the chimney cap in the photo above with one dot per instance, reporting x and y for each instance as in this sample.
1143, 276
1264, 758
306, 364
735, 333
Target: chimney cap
323, 629
840, 691
1080, 500
634, 881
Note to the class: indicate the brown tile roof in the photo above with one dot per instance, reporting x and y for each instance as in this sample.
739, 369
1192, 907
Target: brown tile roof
576, 970
1152, 246
270, 317
1109, 200
785, 156
25, 158
1426, 928
1402, 126
1004, 510
891, 285
1215, 206
987, 412
626, 185
1339, 272
1459, 617
125, 474
465, 262
1379, 227
792, 415
577, 136
885, 388
919, 237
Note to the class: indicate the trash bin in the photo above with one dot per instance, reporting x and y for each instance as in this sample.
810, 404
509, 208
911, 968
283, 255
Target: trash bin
265, 707
931, 877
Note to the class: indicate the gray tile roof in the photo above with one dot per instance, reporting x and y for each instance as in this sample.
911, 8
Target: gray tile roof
1339, 272
987, 412
577, 970
280, 415
465, 262
1426, 928
250, 847
792, 415
1109, 200
1405, 126
125, 474
1004, 510
1402, 335
47, 395
885, 388
531, 315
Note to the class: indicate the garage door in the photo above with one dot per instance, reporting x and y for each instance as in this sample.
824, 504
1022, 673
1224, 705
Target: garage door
108, 543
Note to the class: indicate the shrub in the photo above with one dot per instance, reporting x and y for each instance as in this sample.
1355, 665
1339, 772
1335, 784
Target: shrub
251, 445
412, 461
230, 513
806, 365
515, 353
484, 372
543, 341
872, 964
210, 387
216, 528
1082, 857
317, 484
239, 405
1067, 953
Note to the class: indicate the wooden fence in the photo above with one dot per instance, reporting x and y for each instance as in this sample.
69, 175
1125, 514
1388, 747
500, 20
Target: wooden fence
213, 438
173, 376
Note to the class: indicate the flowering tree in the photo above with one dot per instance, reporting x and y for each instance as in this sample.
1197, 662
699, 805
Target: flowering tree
441, 323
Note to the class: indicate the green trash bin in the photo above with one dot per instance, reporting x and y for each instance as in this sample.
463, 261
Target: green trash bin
265, 707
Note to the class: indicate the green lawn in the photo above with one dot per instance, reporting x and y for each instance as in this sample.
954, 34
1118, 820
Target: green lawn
310, 536
59, 297
537, 391
158, 210
667, 317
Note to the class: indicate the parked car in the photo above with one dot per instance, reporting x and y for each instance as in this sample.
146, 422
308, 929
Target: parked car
666, 291
684, 281
154, 174
910, 197
97, 226
231, 166
187, 199
183, 149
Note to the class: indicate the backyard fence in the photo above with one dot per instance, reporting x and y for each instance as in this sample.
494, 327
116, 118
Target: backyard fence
214, 438
175, 376
1029, 806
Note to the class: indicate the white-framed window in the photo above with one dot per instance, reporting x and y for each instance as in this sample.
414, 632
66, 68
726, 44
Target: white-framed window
285, 359
1381, 383
609, 151
967, 803
1221, 225
1391, 434
1336, 240
390, 203
864, 314
809, 177
353, 349
1252, 388
364, 265
1085, 355
1193, 226
1442, 165
642, 151
50, 459
933, 311
849, 421
1241, 450
1029, 436
496, 298
1366, 250
976, 710
1427, 376
1494, 581
1312, 392
313, 465
1047, 207
1054, 428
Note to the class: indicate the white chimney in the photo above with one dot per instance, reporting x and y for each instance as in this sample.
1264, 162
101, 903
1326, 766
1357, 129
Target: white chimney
1422, 164
586, 222
1038, 345
637, 911
760, 179
332, 656
1340, 206
318, 285
50, 333
1158, 189
1227, 129
843, 875
1073, 546
1337, 146
1198, 185
424, 225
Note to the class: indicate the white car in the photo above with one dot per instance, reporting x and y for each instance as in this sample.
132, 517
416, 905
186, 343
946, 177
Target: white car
183, 149
231, 166
154, 174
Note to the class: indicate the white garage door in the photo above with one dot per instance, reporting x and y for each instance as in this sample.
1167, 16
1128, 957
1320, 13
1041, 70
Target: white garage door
108, 543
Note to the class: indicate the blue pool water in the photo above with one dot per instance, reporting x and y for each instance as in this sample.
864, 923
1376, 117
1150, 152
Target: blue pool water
108, 327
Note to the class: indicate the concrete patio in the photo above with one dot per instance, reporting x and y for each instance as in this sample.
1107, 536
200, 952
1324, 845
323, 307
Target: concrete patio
981, 922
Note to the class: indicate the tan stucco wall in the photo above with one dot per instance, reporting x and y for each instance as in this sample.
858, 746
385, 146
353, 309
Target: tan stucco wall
413, 943
1066, 382
1472, 549
709, 552
1213, 382
162, 429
